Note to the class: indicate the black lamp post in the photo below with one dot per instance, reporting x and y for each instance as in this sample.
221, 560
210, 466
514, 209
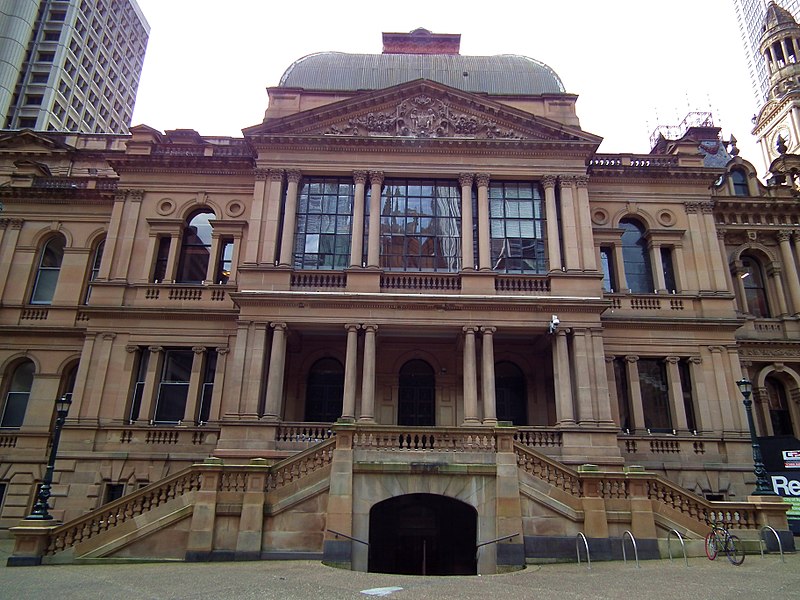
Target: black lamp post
40, 508
763, 488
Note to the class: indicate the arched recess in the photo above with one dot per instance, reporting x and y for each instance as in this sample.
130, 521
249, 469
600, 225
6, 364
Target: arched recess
635, 256
750, 264
17, 384
48, 269
195, 251
324, 391
423, 534
511, 393
779, 386
416, 400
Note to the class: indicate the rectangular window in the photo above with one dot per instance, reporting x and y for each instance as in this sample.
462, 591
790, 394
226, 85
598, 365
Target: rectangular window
623, 399
324, 221
113, 491
607, 264
684, 368
208, 386
174, 386
143, 358
39, 78
224, 261
162, 257
655, 394
46, 57
669, 270
516, 227
34, 99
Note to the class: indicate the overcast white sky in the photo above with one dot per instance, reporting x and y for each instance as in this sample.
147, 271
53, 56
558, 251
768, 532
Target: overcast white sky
633, 63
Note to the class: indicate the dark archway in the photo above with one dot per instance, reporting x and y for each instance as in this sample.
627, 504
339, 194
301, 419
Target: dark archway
423, 534
417, 395
325, 391
511, 394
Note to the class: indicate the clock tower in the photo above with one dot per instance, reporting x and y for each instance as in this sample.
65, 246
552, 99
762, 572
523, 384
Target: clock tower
777, 125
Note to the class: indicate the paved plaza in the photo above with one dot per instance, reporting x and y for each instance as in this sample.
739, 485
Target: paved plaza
756, 578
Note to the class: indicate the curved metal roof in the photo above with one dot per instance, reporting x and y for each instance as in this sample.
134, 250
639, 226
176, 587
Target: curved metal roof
502, 74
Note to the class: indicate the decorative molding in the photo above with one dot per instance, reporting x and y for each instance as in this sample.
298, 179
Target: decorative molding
466, 179
581, 181
275, 175
376, 177
549, 182
482, 179
261, 174
360, 177
293, 176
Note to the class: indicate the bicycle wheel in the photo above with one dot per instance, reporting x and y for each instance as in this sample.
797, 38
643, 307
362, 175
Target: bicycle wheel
711, 545
734, 549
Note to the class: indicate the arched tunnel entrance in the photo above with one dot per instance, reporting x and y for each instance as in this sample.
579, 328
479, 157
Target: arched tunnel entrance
422, 534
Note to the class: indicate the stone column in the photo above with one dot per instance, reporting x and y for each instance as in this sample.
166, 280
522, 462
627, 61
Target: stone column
195, 385
467, 243
619, 268
215, 411
374, 240
635, 393
569, 227
171, 271
723, 395
551, 222
253, 380
584, 224
350, 368
562, 380
289, 218
91, 405
796, 239
790, 269
613, 398
277, 363
257, 209
127, 234
232, 396
679, 267
675, 391
8, 249
471, 416
583, 387
702, 414
724, 254
357, 229
213, 260
717, 262
111, 237
79, 392
774, 273
151, 384
484, 239
267, 249
601, 392
697, 235
487, 372
761, 414
368, 375
654, 249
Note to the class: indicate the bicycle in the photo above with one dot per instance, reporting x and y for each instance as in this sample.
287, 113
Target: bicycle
719, 539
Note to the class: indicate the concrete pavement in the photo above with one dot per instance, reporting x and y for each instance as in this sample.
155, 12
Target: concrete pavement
656, 580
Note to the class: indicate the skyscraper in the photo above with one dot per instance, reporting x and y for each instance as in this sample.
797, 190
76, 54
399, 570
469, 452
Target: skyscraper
750, 16
70, 65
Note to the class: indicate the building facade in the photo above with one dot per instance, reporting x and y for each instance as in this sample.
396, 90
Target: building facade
71, 65
411, 318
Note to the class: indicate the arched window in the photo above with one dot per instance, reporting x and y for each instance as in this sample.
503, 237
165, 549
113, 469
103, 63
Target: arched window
635, 258
195, 248
44, 287
17, 394
755, 291
779, 413
97, 257
511, 394
739, 180
324, 391
417, 393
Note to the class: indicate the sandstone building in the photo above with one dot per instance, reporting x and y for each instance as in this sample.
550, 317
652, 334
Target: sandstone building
412, 312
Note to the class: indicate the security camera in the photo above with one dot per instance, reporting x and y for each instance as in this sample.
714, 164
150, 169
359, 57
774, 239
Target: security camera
554, 323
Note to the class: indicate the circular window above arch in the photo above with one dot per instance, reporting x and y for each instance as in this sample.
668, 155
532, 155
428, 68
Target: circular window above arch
600, 216
166, 206
666, 217
234, 208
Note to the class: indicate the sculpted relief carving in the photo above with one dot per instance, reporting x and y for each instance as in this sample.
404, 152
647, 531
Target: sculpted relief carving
423, 117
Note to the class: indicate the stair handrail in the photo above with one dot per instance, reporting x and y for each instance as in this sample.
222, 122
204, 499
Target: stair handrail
557, 474
296, 466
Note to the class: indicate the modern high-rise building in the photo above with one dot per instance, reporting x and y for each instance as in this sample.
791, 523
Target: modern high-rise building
70, 65
750, 16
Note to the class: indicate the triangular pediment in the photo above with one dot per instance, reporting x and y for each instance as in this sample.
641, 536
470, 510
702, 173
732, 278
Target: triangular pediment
31, 142
422, 109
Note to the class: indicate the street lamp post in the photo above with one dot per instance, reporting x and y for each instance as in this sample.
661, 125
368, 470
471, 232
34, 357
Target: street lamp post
763, 488
40, 508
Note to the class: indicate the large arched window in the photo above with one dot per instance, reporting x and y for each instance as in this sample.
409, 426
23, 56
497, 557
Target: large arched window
755, 291
739, 180
779, 413
324, 391
17, 394
44, 287
417, 394
195, 248
636, 260
97, 257
511, 394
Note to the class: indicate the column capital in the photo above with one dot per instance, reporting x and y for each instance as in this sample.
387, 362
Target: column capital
488, 330
293, 176
774, 269
130, 349
631, 358
582, 181
696, 360
707, 208
482, 179
610, 358
278, 326
275, 174
548, 182
692, 208
466, 179
109, 335
783, 235
672, 360
716, 349
198, 349
352, 326
566, 181
370, 327
470, 329
261, 174
721, 232
155, 349
376, 177
135, 195
12, 223
360, 176
223, 350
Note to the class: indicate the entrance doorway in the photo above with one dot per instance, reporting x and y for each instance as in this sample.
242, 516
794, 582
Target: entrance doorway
423, 534
417, 394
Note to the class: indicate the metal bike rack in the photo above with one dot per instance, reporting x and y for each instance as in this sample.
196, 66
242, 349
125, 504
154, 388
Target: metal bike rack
683, 545
579, 537
777, 537
635, 550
